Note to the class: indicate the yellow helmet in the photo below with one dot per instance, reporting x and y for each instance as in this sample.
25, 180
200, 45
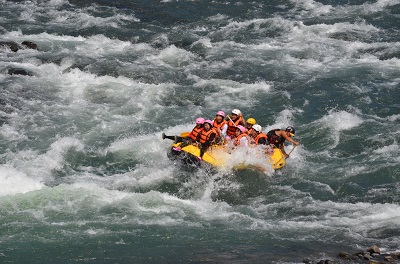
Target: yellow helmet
251, 121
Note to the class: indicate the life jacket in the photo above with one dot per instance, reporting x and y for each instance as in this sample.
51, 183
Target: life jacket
249, 131
273, 138
236, 141
218, 126
232, 126
196, 130
259, 136
205, 135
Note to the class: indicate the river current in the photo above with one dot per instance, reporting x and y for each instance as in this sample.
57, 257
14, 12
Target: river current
84, 172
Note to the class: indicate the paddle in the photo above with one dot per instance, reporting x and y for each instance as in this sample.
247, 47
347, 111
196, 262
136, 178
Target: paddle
287, 154
232, 120
184, 134
291, 151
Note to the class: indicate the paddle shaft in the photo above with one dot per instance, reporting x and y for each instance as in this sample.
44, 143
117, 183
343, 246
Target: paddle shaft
292, 150
287, 154
232, 121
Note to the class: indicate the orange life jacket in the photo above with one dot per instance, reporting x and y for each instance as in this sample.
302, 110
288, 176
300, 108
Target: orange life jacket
236, 141
218, 126
205, 135
196, 130
259, 136
232, 126
249, 131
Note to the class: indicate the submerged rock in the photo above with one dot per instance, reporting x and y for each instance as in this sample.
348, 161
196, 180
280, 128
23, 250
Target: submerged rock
29, 45
14, 46
19, 71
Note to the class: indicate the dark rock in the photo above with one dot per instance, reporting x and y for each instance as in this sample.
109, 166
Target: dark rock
29, 45
360, 254
396, 254
19, 71
13, 46
367, 256
344, 255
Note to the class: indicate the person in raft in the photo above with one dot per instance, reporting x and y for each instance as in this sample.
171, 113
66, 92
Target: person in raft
206, 137
250, 122
241, 138
234, 121
258, 137
191, 138
220, 125
277, 137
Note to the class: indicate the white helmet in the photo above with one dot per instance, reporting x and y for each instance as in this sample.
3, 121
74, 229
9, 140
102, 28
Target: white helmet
236, 112
257, 128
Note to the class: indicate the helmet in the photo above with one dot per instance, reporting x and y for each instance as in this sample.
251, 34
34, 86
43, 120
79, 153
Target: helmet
257, 128
236, 112
291, 130
241, 128
251, 121
209, 121
200, 121
221, 113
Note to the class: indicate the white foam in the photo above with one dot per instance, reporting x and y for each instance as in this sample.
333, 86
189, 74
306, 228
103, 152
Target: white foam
13, 181
85, 17
311, 5
235, 93
247, 156
175, 57
11, 133
40, 166
341, 120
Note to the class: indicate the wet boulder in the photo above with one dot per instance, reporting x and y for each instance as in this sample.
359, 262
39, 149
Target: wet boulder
29, 45
14, 46
19, 71
371, 255
374, 250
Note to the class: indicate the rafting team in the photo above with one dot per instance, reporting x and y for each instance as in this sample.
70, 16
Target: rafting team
224, 129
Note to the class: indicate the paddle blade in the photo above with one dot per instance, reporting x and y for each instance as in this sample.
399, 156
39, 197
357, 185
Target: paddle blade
184, 134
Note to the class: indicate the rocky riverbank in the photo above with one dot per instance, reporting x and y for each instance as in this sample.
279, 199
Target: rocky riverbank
371, 255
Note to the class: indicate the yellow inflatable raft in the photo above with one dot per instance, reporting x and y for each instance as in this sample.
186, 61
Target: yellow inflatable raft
219, 156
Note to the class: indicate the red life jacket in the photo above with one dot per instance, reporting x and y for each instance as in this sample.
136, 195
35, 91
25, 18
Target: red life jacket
196, 130
232, 126
205, 135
